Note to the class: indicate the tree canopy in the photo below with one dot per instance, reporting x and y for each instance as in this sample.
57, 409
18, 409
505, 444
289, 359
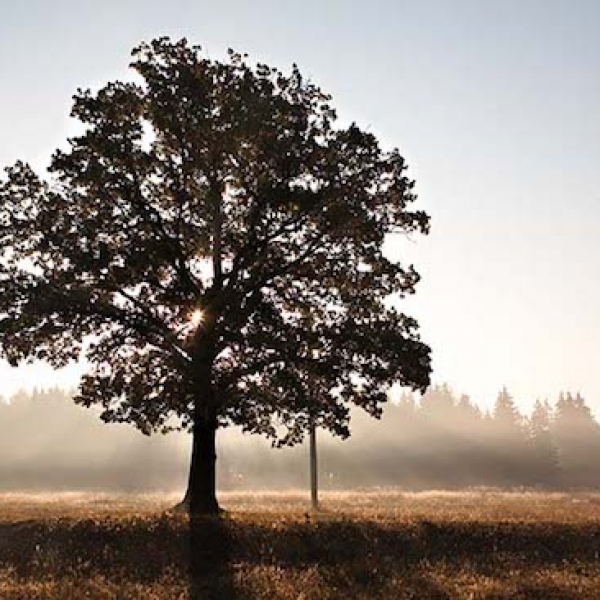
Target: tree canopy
211, 238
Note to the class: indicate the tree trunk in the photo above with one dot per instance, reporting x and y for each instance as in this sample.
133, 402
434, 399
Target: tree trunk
201, 497
184, 505
314, 482
202, 493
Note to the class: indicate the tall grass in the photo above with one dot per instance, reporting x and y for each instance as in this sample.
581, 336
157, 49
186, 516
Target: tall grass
364, 545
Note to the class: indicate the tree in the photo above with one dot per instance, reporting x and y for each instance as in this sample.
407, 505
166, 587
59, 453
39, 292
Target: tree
213, 244
545, 455
438, 405
511, 438
506, 413
577, 436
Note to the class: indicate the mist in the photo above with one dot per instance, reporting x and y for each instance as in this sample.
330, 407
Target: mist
440, 441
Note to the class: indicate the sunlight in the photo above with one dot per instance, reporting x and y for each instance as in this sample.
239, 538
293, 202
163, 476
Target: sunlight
197, 317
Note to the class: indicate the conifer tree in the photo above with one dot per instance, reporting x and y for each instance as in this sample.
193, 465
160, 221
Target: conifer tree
545, 464
577, 436
510, 436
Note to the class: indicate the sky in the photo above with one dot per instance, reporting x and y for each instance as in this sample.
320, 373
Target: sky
493, 103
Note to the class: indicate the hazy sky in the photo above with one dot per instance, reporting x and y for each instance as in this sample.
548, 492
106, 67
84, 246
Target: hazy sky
494, 103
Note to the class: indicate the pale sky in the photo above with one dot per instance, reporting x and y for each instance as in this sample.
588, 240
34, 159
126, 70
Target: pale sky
494, 103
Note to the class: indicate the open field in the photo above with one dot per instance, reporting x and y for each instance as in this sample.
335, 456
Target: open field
382, 544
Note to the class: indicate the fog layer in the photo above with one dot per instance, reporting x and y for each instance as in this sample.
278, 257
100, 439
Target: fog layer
441, 441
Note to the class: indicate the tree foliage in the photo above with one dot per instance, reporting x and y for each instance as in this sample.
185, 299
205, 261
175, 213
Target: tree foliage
219, 187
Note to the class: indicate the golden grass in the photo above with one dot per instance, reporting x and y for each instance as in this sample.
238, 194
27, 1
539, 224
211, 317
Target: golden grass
364, 545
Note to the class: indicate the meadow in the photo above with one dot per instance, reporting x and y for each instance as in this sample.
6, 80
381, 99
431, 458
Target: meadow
365, 544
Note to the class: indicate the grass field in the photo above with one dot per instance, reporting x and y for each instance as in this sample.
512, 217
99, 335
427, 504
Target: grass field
363, 545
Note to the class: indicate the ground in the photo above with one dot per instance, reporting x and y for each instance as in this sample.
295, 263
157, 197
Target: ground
364, 545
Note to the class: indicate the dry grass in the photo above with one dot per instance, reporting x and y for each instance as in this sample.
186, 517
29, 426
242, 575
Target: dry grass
369, 545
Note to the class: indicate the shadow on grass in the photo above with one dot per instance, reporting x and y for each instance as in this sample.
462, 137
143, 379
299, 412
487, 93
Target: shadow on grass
210, 560
232, 559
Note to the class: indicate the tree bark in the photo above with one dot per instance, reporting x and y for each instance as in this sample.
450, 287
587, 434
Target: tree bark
201, 481
202, 490
314, 483
184, 505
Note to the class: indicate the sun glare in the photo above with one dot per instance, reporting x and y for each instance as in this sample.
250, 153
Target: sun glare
197, 317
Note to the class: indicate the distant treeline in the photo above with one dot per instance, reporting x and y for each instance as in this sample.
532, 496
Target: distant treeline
440, 441
47, 442
446, 441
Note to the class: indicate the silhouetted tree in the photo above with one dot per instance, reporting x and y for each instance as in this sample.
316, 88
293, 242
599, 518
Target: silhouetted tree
407, 407
506, 415
205, 234
577, 437
510, 436
438, 404
468, 415
544, 463
471, 444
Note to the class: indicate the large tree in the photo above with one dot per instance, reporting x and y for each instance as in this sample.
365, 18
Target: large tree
213, 245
